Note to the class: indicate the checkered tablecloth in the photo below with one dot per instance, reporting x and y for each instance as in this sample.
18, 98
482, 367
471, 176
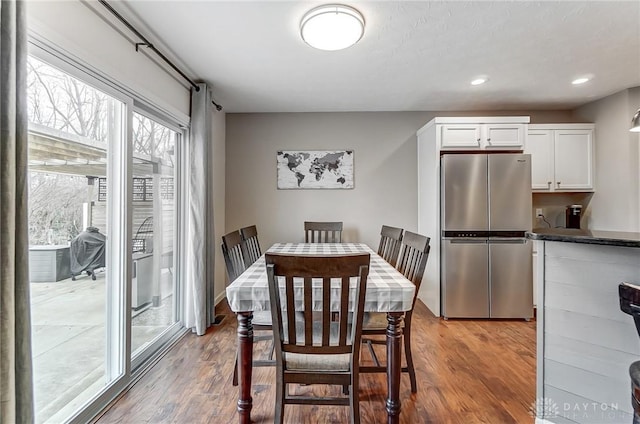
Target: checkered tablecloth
387, 289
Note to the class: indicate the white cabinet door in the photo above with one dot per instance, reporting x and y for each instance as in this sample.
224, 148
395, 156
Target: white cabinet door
573, 151
502, 136
540, 147
460, 135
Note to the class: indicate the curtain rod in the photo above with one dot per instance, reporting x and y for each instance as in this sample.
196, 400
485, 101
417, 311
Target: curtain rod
148, 44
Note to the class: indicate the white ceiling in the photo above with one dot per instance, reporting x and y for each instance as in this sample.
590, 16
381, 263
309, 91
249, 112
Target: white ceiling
414, 55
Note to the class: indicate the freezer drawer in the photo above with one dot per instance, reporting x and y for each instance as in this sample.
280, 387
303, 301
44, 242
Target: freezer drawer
510, 272
465, 278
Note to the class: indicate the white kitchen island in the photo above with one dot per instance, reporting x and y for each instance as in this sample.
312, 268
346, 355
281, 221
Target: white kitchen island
585, 342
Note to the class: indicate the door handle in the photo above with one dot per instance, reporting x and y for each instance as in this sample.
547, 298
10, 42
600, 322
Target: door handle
468, 241
507, 241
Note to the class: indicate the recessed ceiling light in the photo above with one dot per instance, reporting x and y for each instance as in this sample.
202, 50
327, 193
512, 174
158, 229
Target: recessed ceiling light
580, 80
479, 80
332, 27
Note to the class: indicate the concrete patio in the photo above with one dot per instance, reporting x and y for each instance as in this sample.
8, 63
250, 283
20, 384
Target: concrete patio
68, 336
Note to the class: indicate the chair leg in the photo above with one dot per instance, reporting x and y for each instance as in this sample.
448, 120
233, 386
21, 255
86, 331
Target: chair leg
409, 357
273, 349
278, 416
354, 400
235, 371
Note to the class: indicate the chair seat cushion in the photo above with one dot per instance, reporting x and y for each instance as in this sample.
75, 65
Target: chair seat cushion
261, 318
318, 362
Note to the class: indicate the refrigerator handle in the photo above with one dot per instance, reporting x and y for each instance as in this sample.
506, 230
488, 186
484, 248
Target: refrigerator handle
508, 240
466, 241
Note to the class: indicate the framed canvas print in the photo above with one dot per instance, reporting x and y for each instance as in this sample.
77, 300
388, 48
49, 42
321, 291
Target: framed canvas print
315, 169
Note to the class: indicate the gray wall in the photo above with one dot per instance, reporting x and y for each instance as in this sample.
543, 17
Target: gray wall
616, 202
384, 165
385, 192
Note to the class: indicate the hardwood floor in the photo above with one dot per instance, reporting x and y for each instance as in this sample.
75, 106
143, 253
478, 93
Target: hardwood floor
467, 371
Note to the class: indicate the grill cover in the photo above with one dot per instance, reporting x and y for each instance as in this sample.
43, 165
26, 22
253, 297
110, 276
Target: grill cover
87, 251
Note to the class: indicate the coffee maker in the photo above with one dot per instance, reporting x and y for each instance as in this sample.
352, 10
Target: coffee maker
573, 213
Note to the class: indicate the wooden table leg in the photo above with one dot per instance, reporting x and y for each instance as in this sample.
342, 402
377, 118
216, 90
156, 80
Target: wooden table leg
245, 366
394, 364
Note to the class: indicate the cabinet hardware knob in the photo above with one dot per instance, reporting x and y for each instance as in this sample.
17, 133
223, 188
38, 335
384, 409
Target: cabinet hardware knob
548, 183
478, 139
488, 139
558, 183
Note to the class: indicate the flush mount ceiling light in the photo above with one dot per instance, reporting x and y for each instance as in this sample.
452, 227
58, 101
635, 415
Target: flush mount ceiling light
332, 27
635, 122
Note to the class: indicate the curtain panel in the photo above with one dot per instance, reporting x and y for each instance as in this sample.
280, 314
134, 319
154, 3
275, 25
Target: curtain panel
199, 288
16, 375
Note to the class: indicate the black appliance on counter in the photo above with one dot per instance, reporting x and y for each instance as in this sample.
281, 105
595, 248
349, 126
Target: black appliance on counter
573, 214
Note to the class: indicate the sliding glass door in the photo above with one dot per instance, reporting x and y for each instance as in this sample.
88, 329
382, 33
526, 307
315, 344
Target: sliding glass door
153, 284
70, 141
103, 218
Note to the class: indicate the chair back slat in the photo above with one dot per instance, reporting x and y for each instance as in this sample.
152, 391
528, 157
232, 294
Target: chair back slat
344, 308
413, 258
291, 308
326, 314
308, 311
323, 271
322, 232
252, 245
233, 252
390, 241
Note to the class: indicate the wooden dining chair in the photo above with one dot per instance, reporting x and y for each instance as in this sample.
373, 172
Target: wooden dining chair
234, 252
390, 241
322, 232
251, 244
411, 263
316, 350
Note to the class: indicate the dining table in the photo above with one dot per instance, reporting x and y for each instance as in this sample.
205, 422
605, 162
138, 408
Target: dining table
387, 291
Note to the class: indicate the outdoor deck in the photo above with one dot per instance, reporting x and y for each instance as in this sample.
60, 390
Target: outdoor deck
68, 322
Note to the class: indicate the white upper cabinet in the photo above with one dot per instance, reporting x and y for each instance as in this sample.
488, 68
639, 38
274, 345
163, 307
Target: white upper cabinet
506, 133
461, 135
503, 136
561, 157
540, 146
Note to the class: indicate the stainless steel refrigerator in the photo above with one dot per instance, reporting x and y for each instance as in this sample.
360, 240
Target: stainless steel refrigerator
486, 259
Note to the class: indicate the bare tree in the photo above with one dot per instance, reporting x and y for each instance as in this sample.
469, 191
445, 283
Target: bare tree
55, 207
60, 101
150, 137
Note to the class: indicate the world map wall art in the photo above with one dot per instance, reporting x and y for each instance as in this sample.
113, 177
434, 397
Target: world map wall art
315, 169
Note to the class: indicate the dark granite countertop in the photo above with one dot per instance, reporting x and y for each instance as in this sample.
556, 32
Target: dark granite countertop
608, 238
